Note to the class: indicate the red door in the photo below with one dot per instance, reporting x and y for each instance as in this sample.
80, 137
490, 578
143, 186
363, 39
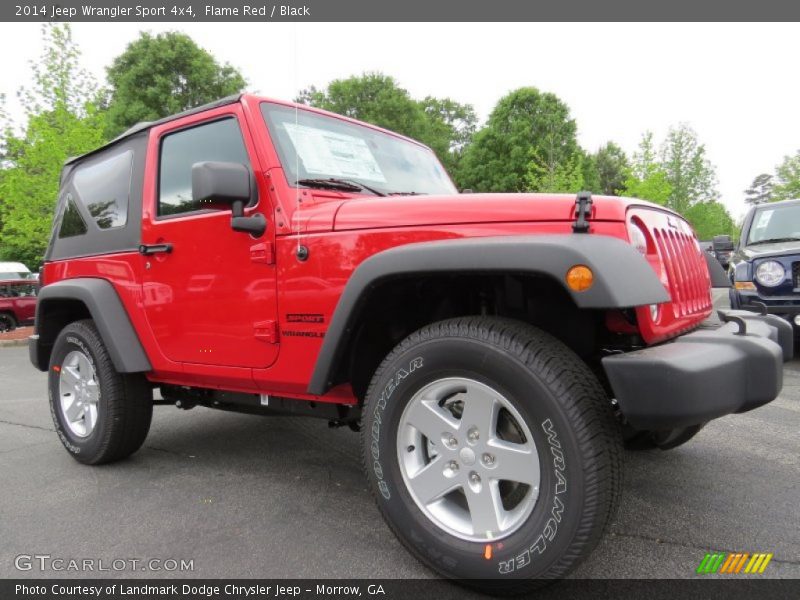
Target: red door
210, 300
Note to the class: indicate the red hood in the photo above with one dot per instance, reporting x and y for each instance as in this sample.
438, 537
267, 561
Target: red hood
410, 211
335, 211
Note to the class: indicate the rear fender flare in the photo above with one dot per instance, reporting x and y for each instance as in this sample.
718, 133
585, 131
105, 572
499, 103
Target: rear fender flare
108, 313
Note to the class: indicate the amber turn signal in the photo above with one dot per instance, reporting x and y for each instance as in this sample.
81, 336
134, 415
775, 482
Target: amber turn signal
580, 278
745, 285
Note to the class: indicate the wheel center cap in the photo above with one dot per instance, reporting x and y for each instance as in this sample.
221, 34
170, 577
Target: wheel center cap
467, 456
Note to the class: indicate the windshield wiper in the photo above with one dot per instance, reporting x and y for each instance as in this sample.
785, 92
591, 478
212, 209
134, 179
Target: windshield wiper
405, 194
334, 183
775, 241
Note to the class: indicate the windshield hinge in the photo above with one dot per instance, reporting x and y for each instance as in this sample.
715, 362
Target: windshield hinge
583, 210
262, 253
266, 331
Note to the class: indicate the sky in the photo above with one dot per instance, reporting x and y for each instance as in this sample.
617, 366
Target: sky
732, 83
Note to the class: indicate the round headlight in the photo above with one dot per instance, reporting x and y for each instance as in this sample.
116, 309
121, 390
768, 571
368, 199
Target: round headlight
770, 273
637, 237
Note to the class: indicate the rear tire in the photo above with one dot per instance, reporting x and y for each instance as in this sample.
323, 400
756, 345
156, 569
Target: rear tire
7, 322
536, 387
100, 415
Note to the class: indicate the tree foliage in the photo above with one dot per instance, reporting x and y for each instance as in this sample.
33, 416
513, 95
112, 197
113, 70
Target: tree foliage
62, 121
525, 126
161, 75
611, 166
444, 125
567, 176
690, 175
760, 190
710, 219
787, 175
646, 178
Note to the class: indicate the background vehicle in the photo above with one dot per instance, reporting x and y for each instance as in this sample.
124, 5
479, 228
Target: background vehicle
14, 270
722, 246
765, 268
489, 347
17, 303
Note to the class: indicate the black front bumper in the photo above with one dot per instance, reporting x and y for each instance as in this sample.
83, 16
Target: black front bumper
703, 375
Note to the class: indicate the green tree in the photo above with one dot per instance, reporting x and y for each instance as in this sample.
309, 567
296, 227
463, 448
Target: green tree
567, 176
62, 121
611, 165
690, 175
646, 178
787, 175
760, 190
160, 75
524, 124
450, 129
709, 219
441, 123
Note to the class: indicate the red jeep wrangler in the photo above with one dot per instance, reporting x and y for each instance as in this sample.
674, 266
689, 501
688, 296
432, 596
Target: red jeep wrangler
17, 303
492, 349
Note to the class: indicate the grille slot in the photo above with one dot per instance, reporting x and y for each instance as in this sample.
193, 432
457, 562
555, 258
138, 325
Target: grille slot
688, 284
796, 274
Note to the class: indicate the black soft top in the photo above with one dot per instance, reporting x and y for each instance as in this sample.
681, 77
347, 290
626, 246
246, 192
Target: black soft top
145, 125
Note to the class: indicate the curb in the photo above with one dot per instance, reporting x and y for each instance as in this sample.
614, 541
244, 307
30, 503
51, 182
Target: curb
12, 343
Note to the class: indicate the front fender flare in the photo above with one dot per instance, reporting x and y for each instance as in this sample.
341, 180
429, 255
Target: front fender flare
622, 277
108, 314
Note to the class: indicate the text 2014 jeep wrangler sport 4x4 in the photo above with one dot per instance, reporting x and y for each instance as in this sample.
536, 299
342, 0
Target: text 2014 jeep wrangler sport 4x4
493, 349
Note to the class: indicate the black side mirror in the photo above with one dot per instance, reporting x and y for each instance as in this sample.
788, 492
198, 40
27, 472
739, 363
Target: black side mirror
228, 183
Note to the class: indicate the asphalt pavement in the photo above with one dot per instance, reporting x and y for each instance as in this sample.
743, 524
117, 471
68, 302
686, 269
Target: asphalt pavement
245, 496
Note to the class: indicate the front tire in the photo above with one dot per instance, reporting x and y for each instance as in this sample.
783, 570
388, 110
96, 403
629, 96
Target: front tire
492, 452
100, 415
7, 322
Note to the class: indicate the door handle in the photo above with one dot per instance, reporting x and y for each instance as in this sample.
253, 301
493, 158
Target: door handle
148, 249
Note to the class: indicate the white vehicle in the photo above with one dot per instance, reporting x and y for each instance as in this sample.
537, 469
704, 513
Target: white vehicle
14, 270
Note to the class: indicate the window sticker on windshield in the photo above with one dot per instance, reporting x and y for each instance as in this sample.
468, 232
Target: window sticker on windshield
763, 218
334, 154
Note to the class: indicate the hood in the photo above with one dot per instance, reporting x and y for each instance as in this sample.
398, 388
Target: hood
409, 211
767, 250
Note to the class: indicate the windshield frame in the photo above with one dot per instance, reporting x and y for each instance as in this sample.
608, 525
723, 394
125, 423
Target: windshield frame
266, 106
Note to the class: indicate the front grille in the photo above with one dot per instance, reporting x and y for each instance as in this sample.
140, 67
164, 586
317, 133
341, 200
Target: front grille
796, 274
686, 271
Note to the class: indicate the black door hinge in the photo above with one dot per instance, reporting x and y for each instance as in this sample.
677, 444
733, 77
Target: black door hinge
583, 210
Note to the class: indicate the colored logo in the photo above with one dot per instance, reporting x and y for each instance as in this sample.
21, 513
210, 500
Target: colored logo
734, 563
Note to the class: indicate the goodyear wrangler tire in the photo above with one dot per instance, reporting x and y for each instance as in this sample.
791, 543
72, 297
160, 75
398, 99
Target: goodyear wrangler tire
492, 452
100, 415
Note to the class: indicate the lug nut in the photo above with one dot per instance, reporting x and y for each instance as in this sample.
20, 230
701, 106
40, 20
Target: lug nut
487, 459
452, 465
449, 440
475, 478
473, 435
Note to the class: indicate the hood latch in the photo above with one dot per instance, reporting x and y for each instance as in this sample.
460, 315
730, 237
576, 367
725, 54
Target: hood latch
583, 210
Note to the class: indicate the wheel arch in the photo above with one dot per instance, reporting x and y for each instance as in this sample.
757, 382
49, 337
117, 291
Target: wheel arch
623, 279
71, 300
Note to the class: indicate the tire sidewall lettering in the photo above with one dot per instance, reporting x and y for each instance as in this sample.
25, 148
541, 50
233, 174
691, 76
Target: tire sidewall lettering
396, 380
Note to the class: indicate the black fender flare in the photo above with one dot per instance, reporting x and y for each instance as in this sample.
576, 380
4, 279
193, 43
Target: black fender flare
108, 314
622, 277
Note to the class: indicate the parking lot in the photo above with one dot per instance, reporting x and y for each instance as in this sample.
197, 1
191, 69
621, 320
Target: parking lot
246, 496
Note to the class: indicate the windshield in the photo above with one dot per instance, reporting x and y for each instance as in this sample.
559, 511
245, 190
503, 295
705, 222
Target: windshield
314, 148
775, 223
